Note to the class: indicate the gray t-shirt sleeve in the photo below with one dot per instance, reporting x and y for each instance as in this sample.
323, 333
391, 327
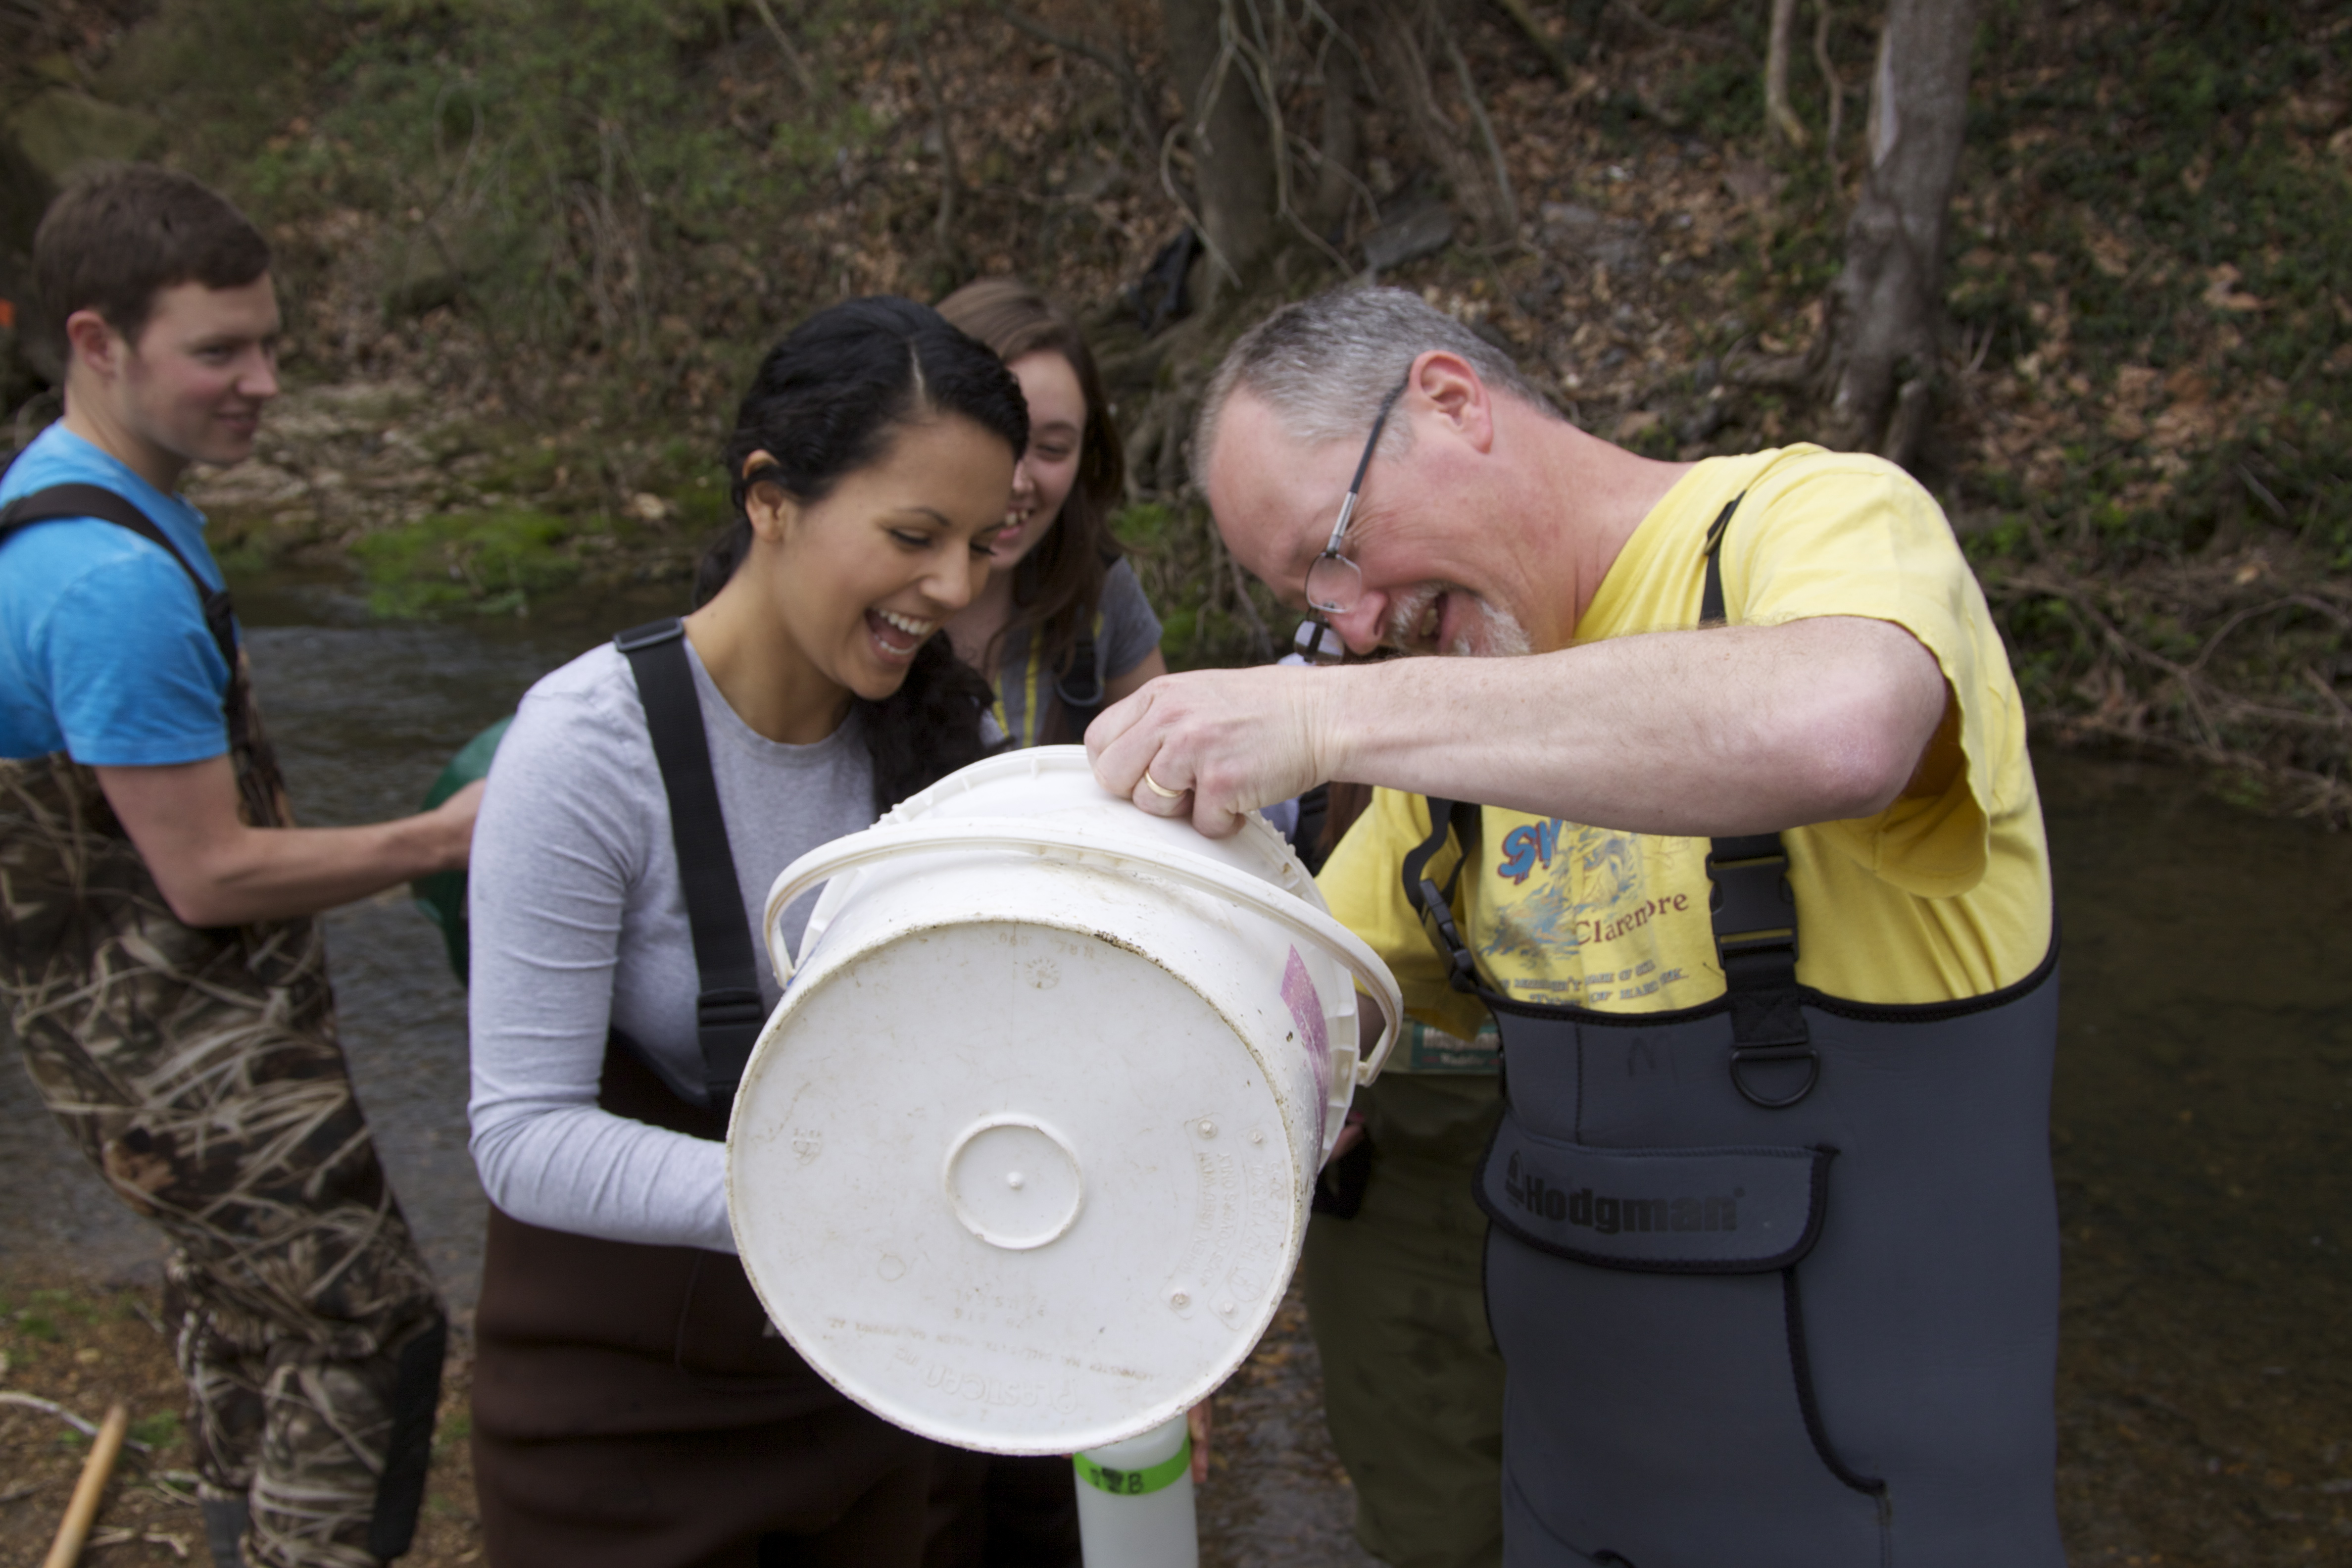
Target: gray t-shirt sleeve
561, 844
1129, 629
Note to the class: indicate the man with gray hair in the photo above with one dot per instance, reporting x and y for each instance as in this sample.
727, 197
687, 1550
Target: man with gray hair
1742, 854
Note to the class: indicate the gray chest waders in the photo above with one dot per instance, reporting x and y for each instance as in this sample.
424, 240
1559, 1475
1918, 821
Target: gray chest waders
1776, 1278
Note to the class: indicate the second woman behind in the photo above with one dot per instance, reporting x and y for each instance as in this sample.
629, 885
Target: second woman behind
1061, 628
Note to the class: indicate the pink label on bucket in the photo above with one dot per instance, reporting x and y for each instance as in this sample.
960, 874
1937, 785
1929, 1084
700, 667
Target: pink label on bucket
1298, 994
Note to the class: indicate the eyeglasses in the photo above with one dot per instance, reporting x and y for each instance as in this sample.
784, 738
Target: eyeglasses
1333, 583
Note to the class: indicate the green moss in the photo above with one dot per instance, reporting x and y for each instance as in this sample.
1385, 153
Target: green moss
483, 562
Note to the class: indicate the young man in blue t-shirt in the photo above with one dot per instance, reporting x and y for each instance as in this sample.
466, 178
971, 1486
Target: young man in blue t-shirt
162, 970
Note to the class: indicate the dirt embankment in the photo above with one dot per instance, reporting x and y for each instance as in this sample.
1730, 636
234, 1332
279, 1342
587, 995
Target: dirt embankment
526, 273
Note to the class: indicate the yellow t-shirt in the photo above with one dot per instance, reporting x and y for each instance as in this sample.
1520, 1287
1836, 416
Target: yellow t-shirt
1931, 900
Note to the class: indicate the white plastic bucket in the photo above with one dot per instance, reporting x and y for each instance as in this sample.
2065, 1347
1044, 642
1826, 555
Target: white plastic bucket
1022, 1160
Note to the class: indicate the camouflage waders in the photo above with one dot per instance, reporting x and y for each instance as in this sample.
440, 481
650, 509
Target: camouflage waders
200, 1073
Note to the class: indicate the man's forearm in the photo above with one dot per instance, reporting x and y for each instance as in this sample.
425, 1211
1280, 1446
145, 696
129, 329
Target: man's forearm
275, 873
216, 870
1738, 730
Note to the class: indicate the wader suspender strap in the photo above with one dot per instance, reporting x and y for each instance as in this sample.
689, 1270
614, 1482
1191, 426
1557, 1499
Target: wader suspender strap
61, 502
1434, 904
726, 1012
1752, 908
1754, 912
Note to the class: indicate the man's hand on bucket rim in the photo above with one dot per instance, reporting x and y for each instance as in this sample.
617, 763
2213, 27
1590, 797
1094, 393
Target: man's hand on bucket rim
1215, 745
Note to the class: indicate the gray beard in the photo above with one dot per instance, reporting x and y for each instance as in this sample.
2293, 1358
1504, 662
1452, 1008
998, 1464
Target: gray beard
1502, 636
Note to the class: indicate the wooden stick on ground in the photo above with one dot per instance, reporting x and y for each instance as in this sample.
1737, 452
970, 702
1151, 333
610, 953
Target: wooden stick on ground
82, 1511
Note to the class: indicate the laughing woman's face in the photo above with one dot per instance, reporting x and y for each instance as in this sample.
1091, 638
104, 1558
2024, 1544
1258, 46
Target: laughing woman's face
866, 575
1057, 428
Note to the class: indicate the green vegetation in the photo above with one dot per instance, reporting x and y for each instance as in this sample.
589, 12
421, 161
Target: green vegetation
492, 563
156, 1431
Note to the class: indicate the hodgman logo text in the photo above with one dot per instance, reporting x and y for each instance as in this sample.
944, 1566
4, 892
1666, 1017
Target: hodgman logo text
1610, 1214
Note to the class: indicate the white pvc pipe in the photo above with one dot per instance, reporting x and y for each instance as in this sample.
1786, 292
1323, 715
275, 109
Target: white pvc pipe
1135, 1501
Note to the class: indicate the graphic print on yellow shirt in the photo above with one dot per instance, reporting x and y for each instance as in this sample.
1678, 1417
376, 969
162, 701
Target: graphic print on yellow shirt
1933, 899
1610, 903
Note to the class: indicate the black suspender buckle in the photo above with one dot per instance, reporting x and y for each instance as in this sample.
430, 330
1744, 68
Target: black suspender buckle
651, 634
728, 1008
725, 1024
1754, 909
1461, 968
1773, 1062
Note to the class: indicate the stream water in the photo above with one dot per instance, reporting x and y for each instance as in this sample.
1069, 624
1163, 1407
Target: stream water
2205, 1071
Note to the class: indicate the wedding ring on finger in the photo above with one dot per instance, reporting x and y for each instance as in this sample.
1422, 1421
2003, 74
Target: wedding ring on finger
1161, 790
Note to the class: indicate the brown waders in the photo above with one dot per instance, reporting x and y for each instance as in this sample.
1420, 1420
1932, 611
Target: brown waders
632, 1408
200, 1073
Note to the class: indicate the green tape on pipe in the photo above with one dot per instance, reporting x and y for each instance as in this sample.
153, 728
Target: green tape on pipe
442, 895
1135, 1483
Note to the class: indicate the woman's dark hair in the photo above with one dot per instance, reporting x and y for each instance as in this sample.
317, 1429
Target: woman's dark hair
1057, 586
826, 402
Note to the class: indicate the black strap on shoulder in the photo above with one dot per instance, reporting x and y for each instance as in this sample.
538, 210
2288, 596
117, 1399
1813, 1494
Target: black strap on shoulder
726, 1011
1710, 600
1079, 688
60, 502
1436, 904
1754, 913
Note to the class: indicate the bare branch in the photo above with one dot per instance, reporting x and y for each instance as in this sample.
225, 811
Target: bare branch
1554, 56
791, 55
1510, 201
1829, 75
50, 1407
1777, 112
1193, 219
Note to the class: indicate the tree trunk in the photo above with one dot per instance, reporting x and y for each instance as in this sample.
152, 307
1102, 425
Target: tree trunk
1887, 305
1232, 149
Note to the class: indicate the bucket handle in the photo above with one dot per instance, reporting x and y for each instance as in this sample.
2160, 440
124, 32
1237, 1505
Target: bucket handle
876, 843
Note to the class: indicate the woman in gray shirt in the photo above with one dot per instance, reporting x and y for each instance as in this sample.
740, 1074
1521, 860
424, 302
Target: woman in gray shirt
1061, 628
631, 1405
